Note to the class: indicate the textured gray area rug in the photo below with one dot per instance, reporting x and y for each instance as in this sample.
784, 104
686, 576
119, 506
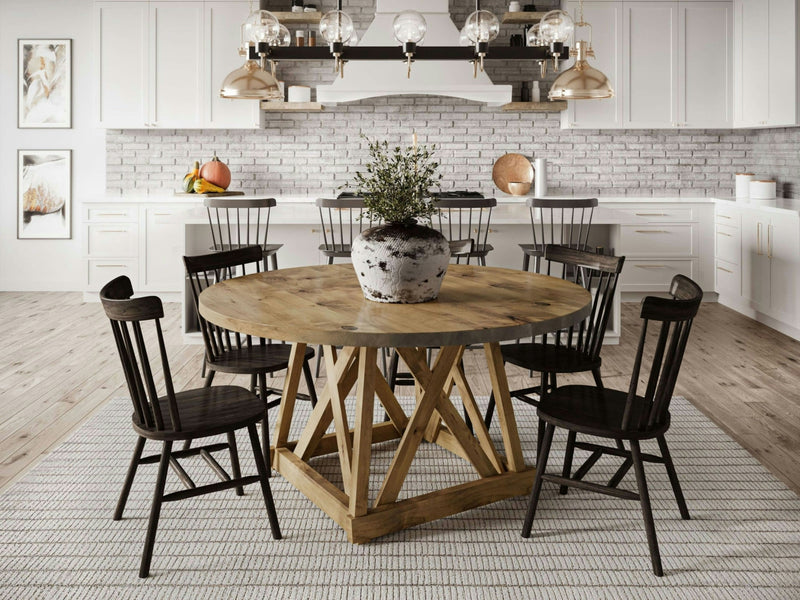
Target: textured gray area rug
57, 539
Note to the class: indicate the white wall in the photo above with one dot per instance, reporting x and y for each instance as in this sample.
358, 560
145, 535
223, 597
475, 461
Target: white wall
47, 264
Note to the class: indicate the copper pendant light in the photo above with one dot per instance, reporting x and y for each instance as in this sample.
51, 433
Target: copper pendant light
581, 81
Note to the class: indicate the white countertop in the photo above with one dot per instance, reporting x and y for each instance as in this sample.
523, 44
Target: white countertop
778, 205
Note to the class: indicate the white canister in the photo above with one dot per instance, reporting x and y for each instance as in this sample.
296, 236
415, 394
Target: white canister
743, 184
299, 93
514, 7
762, 189
540, 177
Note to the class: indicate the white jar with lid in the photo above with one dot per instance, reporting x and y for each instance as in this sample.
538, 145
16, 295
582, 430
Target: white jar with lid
514, 7
763, 189
743, 184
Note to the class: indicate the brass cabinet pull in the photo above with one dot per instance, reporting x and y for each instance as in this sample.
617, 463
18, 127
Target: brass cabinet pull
652, 231
112, 214
724, 269
723, 233
162, 214
112, 231
758, 239
769, 241
724, 217
651, 266
652, 214
115, 266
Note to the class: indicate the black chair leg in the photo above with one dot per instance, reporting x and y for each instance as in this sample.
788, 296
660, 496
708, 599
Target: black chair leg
673, 478
647, 512
263, 477
541, 465
209, 378
253, 383
262, 383
155, 510
235, 469
312, 391
126, 487
274, 261
567, 471
526, 261
319, 361
598, 380
540, 439
487, 420
393, 366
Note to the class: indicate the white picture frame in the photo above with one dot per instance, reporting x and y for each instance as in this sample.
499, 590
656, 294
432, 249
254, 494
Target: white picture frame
44, 194
44, 84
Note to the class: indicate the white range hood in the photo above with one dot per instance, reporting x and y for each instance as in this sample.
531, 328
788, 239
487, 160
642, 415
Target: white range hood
371, 79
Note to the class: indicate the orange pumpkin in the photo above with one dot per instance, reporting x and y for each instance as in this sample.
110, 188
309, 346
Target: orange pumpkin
217, 172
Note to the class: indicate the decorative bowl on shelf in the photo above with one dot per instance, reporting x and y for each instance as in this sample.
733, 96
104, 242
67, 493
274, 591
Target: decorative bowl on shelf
519, 188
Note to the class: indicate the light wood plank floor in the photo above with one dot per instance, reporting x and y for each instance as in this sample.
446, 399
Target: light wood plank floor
58, 366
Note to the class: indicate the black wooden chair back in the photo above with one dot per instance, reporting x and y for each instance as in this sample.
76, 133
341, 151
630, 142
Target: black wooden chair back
342, 219
564, 222
461, 219
597, 273
127, 315
238, 222
675, 316
208, 269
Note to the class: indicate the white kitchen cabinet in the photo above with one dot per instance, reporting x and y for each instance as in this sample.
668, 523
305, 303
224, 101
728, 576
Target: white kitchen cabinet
650, 64
162, 249
766, 81
606, 20
705, 66
223, 22
161, 64
783, 251
755, 262
176, 64
122, 32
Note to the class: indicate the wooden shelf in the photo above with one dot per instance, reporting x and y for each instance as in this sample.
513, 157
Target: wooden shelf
291, 106
303, 18
522, 18
557, 106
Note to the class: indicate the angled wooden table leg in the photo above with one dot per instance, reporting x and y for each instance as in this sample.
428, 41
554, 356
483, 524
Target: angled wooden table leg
362, 443
505, 412
293, 374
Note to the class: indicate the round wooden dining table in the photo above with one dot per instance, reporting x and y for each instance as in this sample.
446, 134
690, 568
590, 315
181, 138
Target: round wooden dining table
324, 305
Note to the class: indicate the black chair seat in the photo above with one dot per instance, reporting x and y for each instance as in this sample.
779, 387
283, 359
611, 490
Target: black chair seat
594, 411
256, 359
478, 251
548, 358
205, 412
269, 249
339, 251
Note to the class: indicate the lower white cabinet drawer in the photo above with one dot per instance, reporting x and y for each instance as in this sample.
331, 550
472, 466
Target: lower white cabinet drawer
102, 271
658, 240
116, 213
655, 275
112, 239
661, 215
728, 279
728, 244
726, 215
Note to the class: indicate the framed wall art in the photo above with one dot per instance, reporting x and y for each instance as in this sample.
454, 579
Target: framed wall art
44, 194
45, 83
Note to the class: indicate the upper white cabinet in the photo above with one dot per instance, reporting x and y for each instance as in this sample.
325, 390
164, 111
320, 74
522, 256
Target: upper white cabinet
670, 63
650, 64
161, 64
767, 86
606, 20
122, 30
705, 65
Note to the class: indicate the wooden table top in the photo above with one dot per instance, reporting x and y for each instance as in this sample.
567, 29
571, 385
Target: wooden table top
325, 305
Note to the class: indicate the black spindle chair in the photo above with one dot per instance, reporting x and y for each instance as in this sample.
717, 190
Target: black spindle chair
465, 219
232, 352
177, 416
565, 222
619, 415
240, 222
576, 349
342, 220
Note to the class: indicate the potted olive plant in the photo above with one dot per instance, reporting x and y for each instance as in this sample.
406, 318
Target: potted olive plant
402, 260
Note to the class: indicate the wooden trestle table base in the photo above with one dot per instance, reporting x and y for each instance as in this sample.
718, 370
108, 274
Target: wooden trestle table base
324, 305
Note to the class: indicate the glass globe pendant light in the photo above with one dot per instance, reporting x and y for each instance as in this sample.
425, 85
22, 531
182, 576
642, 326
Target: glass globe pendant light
534, 39
261, 27
410, 28
481, 27
337, 28
581, 81
555, 30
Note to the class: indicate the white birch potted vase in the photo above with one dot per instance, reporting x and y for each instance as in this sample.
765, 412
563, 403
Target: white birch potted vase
402, 260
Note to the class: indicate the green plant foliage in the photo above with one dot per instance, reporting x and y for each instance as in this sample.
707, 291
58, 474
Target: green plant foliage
397, 182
